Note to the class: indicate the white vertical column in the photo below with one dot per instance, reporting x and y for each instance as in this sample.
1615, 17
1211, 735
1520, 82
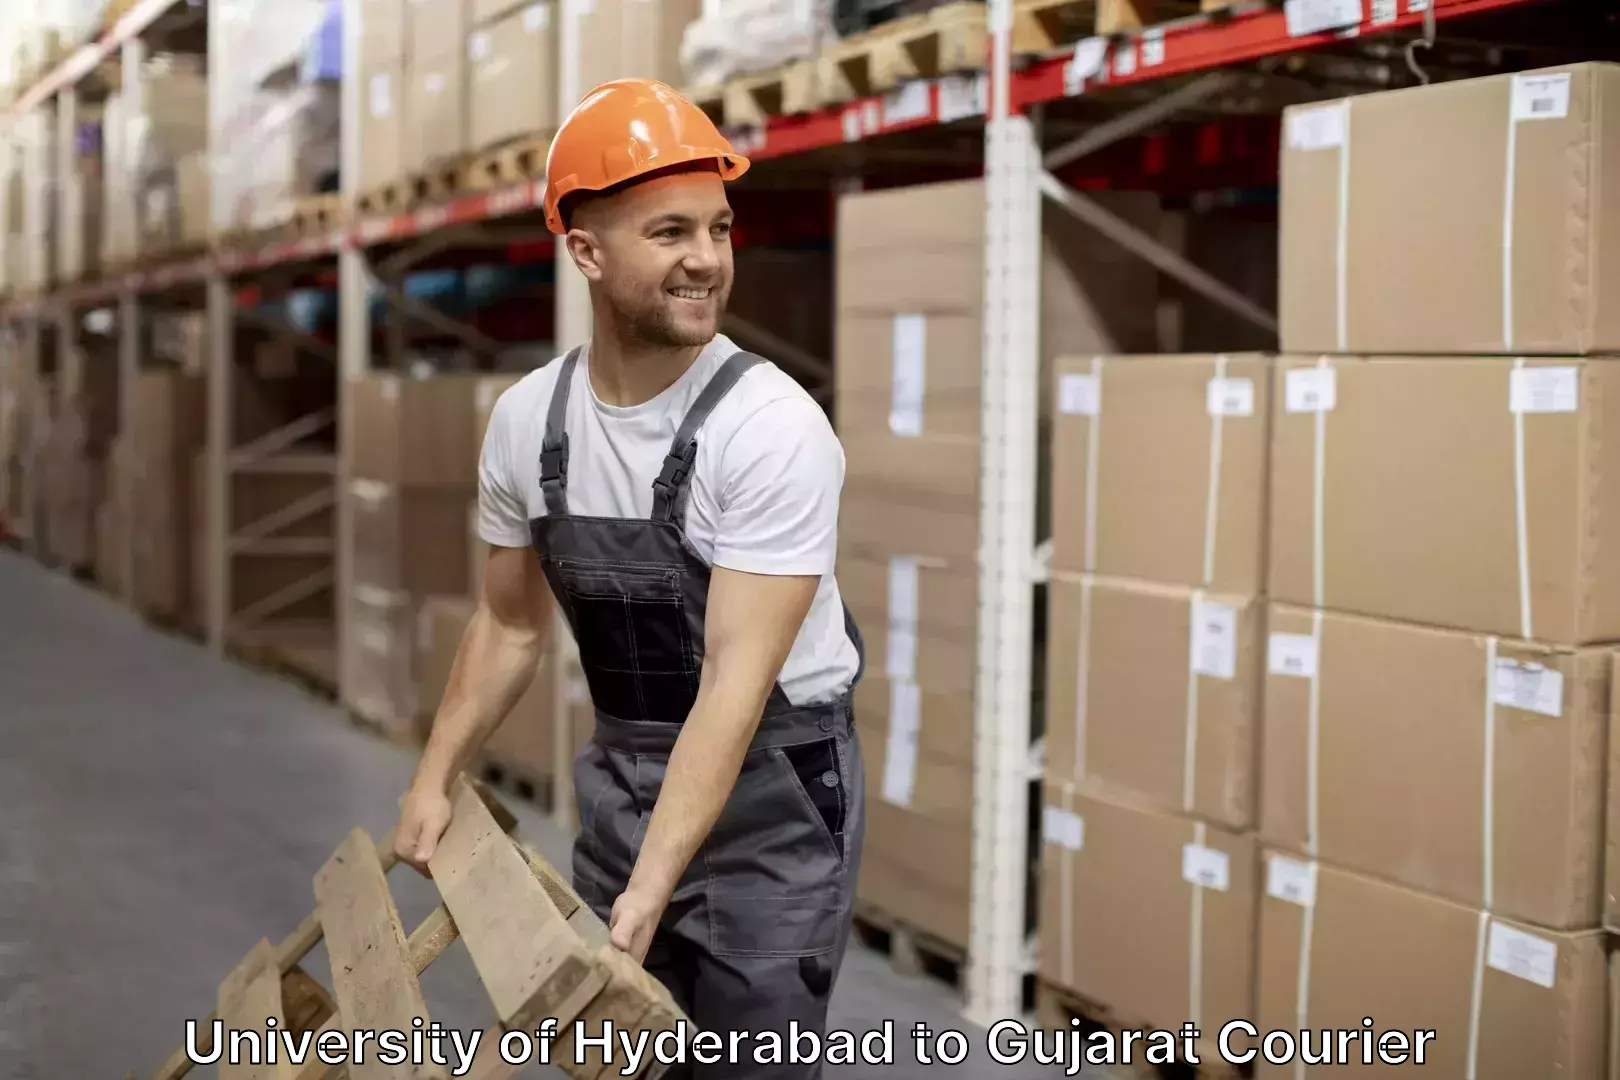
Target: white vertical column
221, 377
129, 366
354, 333
1011, 370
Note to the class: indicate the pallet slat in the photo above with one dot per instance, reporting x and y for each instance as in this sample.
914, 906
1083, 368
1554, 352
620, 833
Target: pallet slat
249, 997
530, 961
372, 973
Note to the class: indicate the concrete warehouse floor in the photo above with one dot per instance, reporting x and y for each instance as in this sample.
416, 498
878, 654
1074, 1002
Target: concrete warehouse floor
161, 810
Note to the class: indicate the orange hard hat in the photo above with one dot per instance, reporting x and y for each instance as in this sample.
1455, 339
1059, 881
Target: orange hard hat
625, 129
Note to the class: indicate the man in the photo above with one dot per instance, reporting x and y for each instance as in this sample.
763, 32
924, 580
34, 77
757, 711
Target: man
679, 499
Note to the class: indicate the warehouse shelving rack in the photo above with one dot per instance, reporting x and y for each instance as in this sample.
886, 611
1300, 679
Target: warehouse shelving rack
1147, 76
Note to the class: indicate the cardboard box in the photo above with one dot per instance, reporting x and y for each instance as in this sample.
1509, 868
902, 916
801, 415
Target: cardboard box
382, 684
1149, 915
524, 741
910, 288
416, 432
1422, 510
382, 33
916, 618
1512, 1000
434, 27
485, 12
382, 127
1159, 469
410, 539
917, 495
652, 32
1611, 844
1418, 734
918, 869
435, 108
512, 77
1154, 690
1475, 217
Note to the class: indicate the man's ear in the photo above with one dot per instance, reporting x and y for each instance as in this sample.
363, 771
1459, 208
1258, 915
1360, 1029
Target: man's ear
584, 249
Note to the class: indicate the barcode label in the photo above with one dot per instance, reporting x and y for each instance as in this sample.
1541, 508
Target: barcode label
1291, 880
1321, 127
1311, 390
1529, 686
1079, 395
1293, 655
1206, 867
1152, 48
1540, 97
1532, 958
1317, 16
1230, 397
1544, 390
1214, 639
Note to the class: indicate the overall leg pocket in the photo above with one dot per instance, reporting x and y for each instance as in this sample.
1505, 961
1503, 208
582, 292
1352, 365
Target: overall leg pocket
775, 872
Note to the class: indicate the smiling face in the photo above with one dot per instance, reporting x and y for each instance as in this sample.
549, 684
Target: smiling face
659, 254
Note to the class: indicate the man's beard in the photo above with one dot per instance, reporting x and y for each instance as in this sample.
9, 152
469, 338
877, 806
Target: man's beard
646, 320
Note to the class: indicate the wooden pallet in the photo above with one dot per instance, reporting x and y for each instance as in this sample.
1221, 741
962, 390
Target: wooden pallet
1041, 26
519, 781
439, 181
910, 951
1057, 1008
540, 953
949, 39
390, 198
509, 163
317, 215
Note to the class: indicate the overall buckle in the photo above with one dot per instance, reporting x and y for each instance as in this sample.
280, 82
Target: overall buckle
676, 467
554, 463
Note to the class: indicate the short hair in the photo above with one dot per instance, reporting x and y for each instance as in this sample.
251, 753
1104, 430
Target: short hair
569, 204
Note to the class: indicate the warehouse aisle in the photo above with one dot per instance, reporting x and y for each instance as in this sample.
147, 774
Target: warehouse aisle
160, 811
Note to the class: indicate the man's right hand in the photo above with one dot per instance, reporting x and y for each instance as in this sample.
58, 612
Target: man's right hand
424, 814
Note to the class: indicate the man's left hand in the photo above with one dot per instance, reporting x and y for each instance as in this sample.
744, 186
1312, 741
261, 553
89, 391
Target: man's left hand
634, 917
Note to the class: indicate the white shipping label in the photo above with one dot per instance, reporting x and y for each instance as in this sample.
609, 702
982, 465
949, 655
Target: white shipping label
913, 101
1079, 395
1383, 12
1540, 97
1313, 389
1317, 16
1125, 57
536, 17
1152, 48
1206, 867
479, 47
1532, 958
1529, 686
1063, 827
1291, 880
910, 363
1214, 639
1230, 397
900, 755
1320, 127
433, 83
1291, 654
1544, 390
901, 662
382, 95
961, 96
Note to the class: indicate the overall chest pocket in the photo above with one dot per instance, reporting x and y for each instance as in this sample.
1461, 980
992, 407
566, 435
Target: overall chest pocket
635, 640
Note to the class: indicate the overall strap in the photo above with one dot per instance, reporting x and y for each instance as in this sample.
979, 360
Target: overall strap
554, 449
670, 489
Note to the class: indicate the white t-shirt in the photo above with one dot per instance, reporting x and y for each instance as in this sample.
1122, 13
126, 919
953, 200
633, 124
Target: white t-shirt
763, 497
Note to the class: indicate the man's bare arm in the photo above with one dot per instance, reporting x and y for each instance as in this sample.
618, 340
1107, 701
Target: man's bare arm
495, 663
751, 623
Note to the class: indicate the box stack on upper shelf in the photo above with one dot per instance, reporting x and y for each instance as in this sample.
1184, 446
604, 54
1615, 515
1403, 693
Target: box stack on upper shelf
910, 288
1156, 629
1437, 690
277, 115
156, 163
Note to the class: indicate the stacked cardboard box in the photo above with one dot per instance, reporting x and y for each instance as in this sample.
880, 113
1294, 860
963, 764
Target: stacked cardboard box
414, 471
512, 75
910, 280
1156, 615
1437, 697
150, 498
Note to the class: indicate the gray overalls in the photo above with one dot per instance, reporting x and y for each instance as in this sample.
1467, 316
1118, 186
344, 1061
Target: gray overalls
755, 931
